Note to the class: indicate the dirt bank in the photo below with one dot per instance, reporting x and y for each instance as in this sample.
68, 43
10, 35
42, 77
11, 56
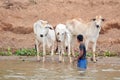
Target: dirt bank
17, 18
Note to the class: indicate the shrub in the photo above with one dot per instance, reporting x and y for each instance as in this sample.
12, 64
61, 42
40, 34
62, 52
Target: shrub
76, 54
26, 52
89, 54
7, 52
109, 54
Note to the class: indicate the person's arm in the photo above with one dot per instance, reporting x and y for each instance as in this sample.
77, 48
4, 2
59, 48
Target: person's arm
80, 54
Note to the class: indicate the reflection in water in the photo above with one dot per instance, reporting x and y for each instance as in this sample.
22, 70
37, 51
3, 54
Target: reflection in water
31, 70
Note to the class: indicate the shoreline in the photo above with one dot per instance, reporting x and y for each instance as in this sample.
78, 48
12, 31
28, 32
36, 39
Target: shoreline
102, 60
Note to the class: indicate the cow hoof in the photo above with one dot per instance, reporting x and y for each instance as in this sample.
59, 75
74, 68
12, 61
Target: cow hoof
23, 60
60, 61
93, 60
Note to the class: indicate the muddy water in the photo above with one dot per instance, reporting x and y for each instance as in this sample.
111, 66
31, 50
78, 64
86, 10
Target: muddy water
32, 70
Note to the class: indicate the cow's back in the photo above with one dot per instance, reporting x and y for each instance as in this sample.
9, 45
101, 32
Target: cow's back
76, 27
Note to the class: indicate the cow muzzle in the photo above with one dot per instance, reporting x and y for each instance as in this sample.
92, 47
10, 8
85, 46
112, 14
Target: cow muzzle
97, 26
58, 40
41, 35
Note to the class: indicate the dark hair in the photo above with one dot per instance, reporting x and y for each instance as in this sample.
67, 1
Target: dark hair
80, 37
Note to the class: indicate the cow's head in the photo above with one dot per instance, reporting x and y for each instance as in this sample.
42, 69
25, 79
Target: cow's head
98, 21
60, 31
60, 35
44, 29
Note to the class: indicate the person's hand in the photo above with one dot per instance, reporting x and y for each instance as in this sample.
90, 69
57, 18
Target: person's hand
75, 49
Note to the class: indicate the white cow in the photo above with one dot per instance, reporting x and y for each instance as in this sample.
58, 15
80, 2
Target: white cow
89, 30
45, 34
63, 37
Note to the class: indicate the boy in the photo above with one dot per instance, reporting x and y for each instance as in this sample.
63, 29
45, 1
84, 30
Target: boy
82, 61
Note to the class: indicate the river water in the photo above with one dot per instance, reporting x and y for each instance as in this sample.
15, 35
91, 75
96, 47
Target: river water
32, 70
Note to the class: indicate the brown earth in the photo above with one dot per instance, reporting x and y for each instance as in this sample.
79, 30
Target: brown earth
17, 18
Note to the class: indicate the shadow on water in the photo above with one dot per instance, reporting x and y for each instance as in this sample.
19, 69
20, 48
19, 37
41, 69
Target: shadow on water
31, 70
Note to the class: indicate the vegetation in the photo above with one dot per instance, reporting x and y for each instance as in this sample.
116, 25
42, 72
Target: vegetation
65, 54
32, 52
89, 54
8, 52
76, 54
106, 54
25, 52
109, 54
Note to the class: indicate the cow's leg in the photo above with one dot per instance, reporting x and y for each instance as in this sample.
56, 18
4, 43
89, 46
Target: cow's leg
69, 53
56, 50
62, 55
86, 44
37, 48
94, 48
73, 45
44, 51
52, 52
73, 52
59, 51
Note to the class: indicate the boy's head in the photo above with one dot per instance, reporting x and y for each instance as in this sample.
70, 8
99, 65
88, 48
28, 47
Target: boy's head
80, 37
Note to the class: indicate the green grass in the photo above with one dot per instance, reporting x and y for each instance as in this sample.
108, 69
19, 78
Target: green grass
106, 54
8, 52
76, 54
109, 54
25, 52
65, 54
89, 54
32, 52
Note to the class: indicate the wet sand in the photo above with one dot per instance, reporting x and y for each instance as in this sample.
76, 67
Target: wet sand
100, 59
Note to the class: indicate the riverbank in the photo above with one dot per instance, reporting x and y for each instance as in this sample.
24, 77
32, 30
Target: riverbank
100, 60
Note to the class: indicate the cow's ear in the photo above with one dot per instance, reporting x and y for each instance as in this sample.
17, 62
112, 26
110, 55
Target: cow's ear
50, 28
103, 19
54, 27
93, 19
58, 33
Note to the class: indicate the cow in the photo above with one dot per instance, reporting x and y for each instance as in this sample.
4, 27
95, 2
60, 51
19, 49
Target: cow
44, 34
89, 30
63, 37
